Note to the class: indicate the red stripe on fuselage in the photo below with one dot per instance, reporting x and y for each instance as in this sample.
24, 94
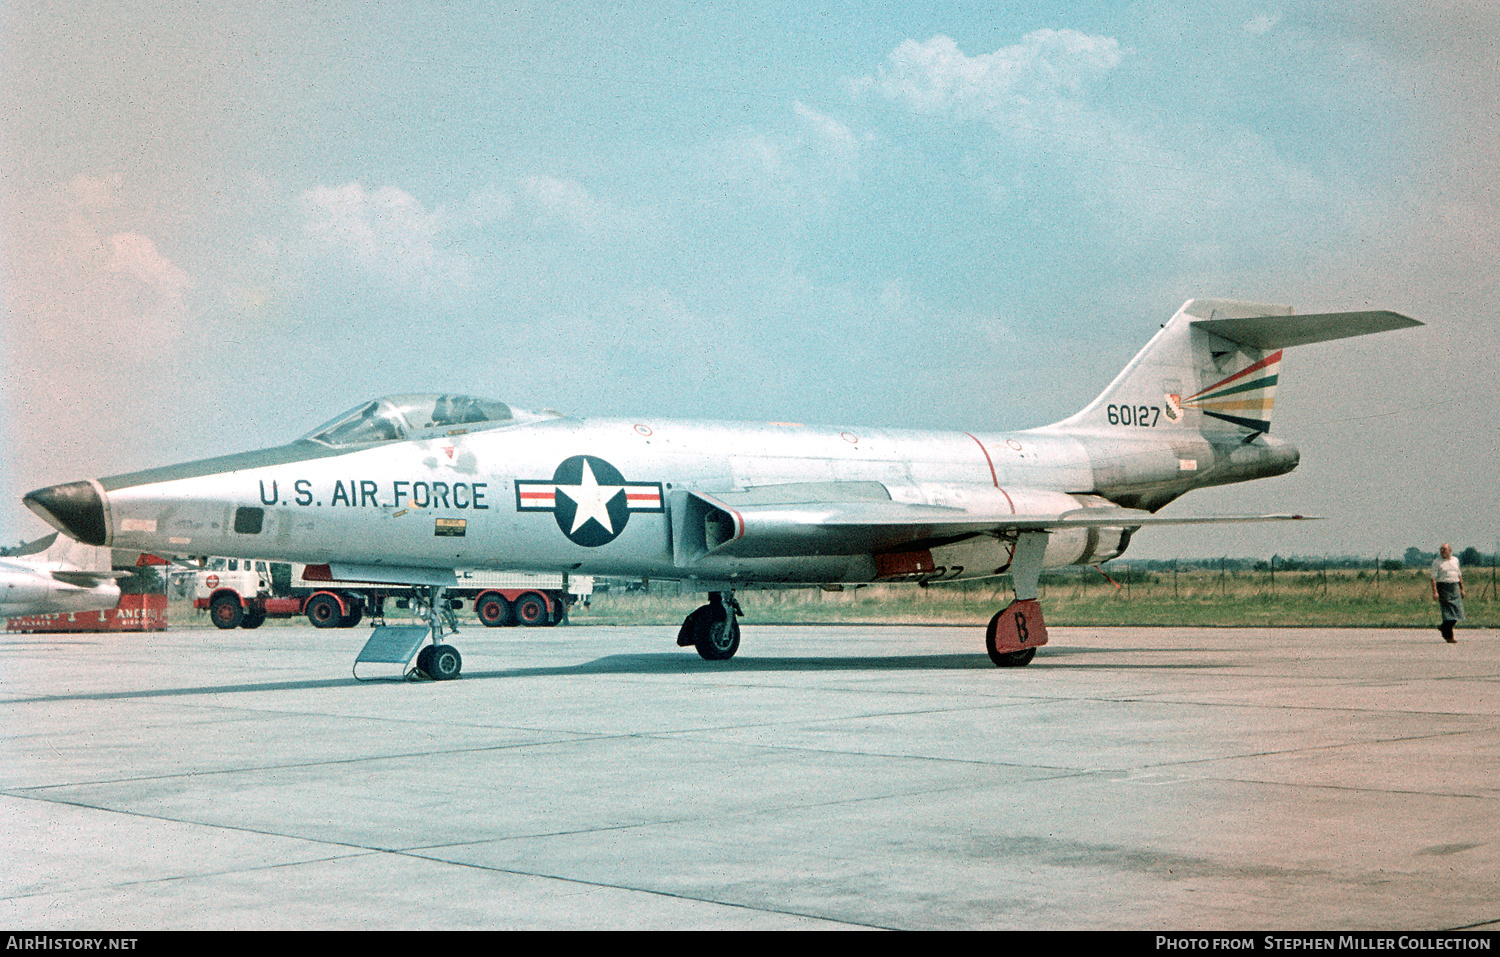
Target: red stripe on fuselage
990, 462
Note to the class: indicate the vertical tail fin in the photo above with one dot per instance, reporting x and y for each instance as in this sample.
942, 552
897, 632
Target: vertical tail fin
1244, 398
1214, 367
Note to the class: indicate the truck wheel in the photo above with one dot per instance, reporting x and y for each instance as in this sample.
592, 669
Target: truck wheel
253, 619
356, 612
531, 609
493, 611
324, 612
226, 611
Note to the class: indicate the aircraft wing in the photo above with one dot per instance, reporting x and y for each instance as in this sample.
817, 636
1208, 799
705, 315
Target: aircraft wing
85, 579
718, 525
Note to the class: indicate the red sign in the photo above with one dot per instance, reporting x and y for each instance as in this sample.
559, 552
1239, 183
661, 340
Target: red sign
133, 613
1019, 627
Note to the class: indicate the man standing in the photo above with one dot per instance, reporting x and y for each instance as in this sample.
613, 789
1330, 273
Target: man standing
1448, 590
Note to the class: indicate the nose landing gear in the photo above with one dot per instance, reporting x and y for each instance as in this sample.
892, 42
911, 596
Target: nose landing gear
438, 661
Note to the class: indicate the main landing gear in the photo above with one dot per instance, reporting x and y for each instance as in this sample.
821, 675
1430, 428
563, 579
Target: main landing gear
1014, 634
1011, 639
714, 628
1017, 630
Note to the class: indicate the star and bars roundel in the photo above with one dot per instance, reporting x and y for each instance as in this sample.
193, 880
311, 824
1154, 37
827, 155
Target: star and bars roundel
589, 498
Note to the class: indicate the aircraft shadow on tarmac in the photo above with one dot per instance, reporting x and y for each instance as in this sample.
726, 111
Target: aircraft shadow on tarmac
674, 663
664, 663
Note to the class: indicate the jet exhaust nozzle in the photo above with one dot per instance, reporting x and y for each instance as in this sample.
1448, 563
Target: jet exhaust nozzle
75, 508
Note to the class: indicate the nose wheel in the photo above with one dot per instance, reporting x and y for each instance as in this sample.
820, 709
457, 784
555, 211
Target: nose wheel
439, 661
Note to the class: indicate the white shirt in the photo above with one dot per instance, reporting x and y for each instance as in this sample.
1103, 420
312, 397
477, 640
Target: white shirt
1446, 570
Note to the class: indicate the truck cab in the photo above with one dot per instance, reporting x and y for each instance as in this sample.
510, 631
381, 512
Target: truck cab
228, 588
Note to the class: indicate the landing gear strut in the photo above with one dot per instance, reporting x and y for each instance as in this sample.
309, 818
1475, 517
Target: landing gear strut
1017, 629
438, 661
714, 628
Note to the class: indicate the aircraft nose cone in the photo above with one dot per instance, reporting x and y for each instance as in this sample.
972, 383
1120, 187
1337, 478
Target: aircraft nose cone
75, 508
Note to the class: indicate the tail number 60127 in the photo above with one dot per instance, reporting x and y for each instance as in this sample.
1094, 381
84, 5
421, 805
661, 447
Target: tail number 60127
1145, 416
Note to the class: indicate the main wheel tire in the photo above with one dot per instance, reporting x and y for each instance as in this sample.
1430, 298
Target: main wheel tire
493, 611
324, 611
716, 634
1005, 659
531, 610
253, 619
226, 611
688, 634
356, 614
444, 664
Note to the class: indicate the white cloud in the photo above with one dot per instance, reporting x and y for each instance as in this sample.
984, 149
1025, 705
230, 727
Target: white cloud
96, 311
796, 171
1140, 181
388, 233
562, 200
136, 256
832, 140
751, 169
548, 202
490, 204
1045, 66
1263, 24
90, 252
895, 298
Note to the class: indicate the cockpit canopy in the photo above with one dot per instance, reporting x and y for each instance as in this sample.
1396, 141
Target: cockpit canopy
397, 418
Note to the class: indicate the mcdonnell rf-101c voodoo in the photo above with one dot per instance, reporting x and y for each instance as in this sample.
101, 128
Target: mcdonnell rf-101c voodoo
49, 576
407, 488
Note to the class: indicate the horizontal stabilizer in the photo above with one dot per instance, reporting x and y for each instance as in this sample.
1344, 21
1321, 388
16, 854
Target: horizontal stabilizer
1283, 332
30, 548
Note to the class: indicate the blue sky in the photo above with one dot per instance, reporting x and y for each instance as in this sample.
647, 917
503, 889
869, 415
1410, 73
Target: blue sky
226, 223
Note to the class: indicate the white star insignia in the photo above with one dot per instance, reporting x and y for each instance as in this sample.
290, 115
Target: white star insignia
592, 499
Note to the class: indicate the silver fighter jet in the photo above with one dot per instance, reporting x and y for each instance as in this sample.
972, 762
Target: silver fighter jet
47, 576
407, 488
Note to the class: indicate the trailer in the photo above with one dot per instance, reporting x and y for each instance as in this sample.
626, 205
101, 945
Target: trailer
243, 593
521, 598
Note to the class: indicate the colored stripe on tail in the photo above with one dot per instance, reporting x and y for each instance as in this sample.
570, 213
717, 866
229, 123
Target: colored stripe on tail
1245, 399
